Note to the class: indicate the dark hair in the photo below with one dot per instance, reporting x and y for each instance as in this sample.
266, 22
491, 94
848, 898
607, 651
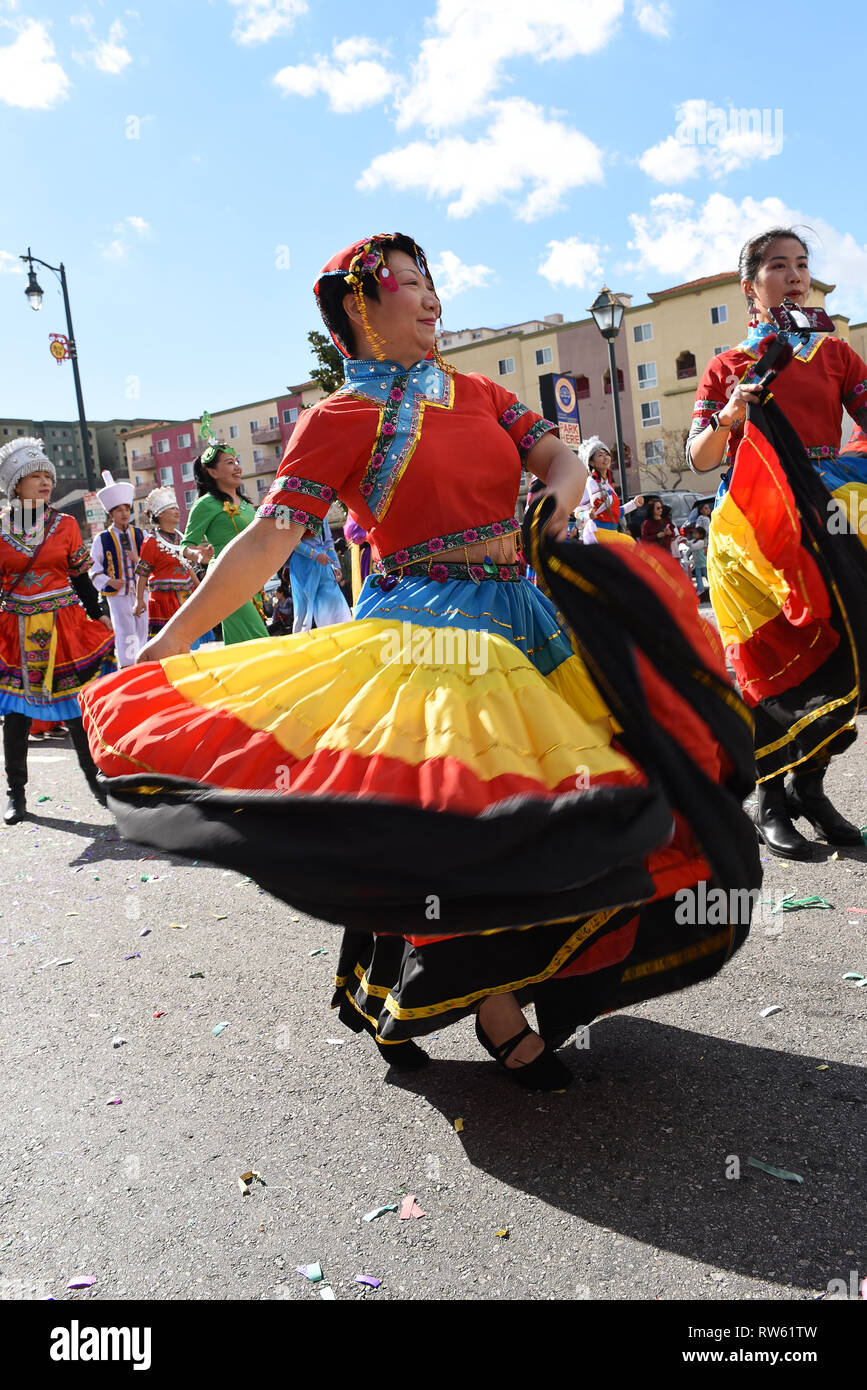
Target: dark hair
333, 289
205, 482
754, 253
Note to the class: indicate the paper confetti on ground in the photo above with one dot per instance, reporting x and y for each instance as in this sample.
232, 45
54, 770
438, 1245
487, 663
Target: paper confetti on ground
771, 1009
775, 1172
409, 1207
312, 1272
459, 1124
81, 1281
379, 1211
219, 1028
368, 1279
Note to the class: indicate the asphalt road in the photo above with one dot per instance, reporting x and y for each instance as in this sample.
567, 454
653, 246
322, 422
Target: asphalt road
616, 1189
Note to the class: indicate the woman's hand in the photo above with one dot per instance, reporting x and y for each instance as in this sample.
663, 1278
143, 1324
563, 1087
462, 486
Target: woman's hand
138, 608
558, 526
199, 554
160, 647
639, 500
734, 412
106, 622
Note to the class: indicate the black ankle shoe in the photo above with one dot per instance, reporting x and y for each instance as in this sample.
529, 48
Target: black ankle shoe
546, 1073
16, 807
807, 799
773, 823
98, 792
403, 1056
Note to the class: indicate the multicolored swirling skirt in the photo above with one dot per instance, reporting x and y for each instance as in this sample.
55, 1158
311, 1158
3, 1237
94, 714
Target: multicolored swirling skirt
445, 778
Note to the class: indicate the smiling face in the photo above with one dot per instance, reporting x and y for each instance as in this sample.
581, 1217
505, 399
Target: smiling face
405, 318
226, 472
783, 273
34, 487
601, 461
656, 510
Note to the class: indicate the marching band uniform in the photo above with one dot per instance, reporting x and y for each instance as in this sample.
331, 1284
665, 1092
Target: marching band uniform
115, 554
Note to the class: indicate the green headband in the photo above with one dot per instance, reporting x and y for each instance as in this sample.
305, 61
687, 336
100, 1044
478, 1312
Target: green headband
215, 446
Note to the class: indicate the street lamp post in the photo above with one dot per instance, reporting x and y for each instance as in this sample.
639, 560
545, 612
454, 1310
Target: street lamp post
607, 311
34, 297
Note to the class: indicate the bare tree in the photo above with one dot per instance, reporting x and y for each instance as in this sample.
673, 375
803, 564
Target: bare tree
667, 472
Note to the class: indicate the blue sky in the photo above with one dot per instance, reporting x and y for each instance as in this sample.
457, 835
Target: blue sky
194, 165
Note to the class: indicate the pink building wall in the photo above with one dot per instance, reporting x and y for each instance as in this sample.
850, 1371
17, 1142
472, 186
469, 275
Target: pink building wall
584, 352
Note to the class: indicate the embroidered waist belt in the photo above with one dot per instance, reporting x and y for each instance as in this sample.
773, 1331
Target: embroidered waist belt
453, 540
441, 571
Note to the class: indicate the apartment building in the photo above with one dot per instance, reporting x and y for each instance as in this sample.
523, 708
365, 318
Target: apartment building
163, 453
518, 355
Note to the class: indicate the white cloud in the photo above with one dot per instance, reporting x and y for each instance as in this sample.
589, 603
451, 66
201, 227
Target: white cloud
572, 262
119, 248
654, 19
522, 154
29, 77
713, 141
451, 276
350, 82
260, 20
9, 264
461, 64
679, 240
107, 55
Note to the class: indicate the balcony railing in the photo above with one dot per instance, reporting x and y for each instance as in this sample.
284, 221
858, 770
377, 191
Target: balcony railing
266, 465
271, 435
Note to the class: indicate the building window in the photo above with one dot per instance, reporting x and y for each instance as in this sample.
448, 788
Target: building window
187, 471
166, 477
190, 498
291, 415
724, 347
262, 485
254, 425
654, 451
719, 313
476, 336
606, 380
685, 365
257, 455
506, 366
642, 332
135, 455
582, 388
445, 342
184, 441
273, 422
544, 356
646, 375
650, 414
233, 431
162, 446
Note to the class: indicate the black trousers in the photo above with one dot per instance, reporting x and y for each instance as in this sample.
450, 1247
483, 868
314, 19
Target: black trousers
16, 729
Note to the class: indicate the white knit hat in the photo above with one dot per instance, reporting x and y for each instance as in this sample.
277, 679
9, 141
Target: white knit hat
20, 457
115, 494
588, 447
159, 500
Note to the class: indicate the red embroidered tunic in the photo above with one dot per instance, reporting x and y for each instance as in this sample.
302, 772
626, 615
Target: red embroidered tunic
425, 460
42, 618
826, 375
170, 580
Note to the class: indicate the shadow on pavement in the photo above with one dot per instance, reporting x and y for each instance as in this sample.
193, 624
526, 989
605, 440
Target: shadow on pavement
641, 1142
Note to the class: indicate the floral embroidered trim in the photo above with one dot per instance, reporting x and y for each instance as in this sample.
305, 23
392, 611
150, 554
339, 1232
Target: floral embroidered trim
443, 570
703, 409
80, 561
388, 427
172, 585
822, 451
858, 395
514, 413
47, 604
143, 568
304, 485
285, 516
533, 435
27, 543
423, 550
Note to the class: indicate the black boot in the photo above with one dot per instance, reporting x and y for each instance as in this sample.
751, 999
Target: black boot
807, 798
16, 729
774, 825
88, 766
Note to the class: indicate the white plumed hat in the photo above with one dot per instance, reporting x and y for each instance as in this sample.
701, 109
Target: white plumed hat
159, 500
115, 494
588, 447
20, 457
